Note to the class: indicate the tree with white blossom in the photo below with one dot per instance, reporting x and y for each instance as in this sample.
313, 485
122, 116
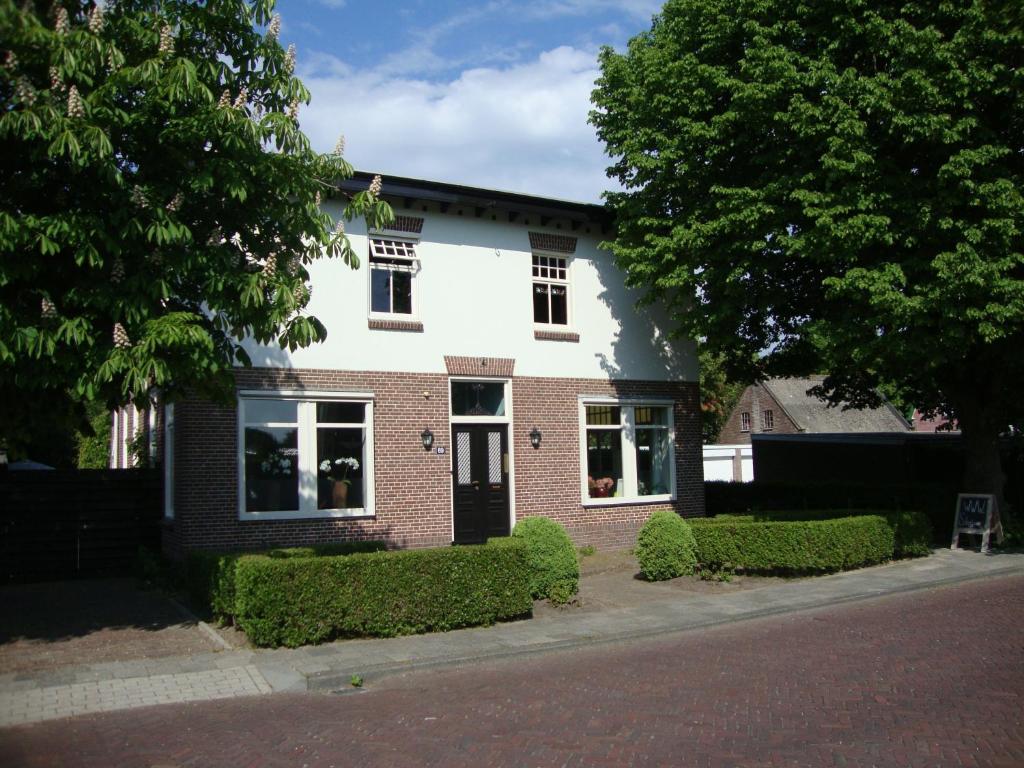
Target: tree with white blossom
158, 200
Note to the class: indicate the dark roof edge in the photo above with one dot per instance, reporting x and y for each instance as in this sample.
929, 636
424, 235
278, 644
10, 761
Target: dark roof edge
478, 197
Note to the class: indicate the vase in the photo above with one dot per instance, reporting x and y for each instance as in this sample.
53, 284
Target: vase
339, 494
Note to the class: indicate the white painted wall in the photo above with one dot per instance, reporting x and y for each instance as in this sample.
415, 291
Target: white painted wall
475, 299
718, 462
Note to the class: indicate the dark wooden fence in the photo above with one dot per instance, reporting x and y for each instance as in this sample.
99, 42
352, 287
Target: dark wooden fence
59, 524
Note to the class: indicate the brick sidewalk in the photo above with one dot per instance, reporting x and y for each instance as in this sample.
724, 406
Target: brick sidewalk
927, 679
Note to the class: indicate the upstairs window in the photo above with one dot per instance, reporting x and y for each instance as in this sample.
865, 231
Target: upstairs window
393, 268
745, 421
768, 420
550, 290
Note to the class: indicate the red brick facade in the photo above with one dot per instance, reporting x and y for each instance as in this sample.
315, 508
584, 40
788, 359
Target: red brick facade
413, 487
755, 400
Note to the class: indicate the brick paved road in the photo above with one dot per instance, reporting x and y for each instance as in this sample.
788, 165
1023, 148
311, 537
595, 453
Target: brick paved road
924, 679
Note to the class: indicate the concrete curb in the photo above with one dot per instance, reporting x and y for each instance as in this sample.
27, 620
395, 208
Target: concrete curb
338, 678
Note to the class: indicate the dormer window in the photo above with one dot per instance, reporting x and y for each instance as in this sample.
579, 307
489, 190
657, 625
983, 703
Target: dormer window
393, 268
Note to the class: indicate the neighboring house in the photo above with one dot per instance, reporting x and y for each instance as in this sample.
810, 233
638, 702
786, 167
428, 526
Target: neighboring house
937, 423
484, 364
782, 406
133, 436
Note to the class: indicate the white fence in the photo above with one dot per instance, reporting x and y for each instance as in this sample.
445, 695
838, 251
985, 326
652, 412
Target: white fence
729, 462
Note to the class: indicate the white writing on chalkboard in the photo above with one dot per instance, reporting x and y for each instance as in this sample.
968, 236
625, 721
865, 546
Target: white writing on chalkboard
974, 516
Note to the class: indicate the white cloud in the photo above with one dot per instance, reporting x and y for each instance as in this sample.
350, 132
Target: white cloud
522, 127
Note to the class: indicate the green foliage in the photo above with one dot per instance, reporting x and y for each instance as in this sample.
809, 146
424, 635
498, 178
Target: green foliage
158, 201
210, 576
718, 393
304, 600
793, 546
94, 448
665, 547
832, 187
586, 550
356, 681
554, 569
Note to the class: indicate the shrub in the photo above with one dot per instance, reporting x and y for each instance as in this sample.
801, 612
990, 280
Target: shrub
554, 569
794, 546
302, 600
665, 547
210, 576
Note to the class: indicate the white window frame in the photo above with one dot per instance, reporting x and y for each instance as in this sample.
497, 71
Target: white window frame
169, 461
567, 284
414, 270
307, 465
627, 431
507, 418
744, 421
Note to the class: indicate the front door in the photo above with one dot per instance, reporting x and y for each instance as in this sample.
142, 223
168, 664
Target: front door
480, 481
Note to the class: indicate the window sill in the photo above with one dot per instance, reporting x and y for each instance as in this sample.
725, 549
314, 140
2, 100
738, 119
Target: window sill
612, 501
319, 514
382, 324
554, 335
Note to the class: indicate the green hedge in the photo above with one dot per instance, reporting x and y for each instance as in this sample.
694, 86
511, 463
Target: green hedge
554, 568
304, 600
665, 547
210, 576
937, 502
794, 546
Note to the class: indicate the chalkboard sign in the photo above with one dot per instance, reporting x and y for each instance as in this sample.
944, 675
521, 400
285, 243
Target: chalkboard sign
974, 515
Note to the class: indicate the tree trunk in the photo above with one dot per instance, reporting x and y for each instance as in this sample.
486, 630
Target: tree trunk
983, 466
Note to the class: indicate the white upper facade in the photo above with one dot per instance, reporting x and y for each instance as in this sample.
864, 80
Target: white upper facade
472, 280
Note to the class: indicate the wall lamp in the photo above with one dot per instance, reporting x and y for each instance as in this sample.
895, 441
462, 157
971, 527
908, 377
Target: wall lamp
535, 437
428, 438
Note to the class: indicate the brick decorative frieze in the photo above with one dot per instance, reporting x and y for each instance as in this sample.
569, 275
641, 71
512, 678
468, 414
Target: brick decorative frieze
544, 241
556, 335
479, 366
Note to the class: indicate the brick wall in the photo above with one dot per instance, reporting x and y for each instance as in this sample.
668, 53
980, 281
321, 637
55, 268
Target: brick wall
755, 400
413, 486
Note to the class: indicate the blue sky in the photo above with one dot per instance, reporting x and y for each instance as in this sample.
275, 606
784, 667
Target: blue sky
492, 94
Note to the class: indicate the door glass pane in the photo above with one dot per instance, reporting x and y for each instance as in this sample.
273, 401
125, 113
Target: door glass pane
271, 469
380, 290
401, 293
653, 472
462, 459
494, 458
559, 305
478, 398
540, 304
339, 461
260, 411
340, 413
604, 462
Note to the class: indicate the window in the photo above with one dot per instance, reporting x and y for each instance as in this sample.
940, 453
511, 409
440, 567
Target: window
628, 450
393, 268
745, 422
305, 458
768, 421
478, 398
550, 290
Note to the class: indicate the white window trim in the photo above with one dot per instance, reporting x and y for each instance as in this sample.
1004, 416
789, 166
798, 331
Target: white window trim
306, 415
628, 432
415, 268
569, 292
168, 461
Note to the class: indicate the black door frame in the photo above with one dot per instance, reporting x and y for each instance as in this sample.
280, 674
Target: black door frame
484, 494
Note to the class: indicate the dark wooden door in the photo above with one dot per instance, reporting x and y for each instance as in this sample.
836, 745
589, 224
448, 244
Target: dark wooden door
480, 481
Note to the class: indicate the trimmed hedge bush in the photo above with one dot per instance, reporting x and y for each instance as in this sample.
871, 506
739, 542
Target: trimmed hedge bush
551, 555
210, 576
794, 546
665, 547
303, 600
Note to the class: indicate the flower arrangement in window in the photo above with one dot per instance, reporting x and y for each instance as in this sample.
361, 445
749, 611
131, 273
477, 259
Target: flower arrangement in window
600, 488
339, 468
277, 464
